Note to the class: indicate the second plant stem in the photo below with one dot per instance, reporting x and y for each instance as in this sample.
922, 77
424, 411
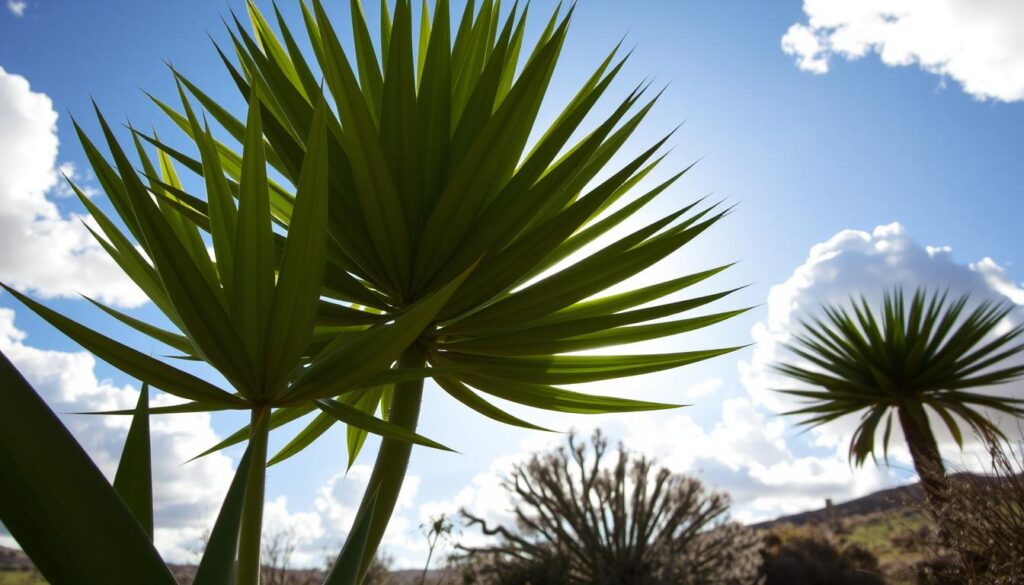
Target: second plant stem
388, 475
252, 509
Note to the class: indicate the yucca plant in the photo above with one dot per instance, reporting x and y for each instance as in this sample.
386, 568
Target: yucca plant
416, 233
903, 361
251, 315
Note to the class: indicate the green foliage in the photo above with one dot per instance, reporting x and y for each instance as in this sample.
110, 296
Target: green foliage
387, 219
905, 360
431, 179
134, 481
928, 354
66, 532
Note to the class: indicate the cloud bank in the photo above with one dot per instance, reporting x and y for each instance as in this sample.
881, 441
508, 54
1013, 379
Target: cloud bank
46, 252
977, 44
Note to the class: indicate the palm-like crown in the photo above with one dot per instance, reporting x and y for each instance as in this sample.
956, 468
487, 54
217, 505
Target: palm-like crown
387, 219
929, 352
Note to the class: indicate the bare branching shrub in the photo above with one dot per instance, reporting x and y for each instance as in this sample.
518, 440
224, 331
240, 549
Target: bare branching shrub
579, 520
983, 519
278, 549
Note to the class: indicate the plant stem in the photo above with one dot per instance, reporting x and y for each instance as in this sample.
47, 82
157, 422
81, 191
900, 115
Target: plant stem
252, 508
426, 567
392, 462
925, 453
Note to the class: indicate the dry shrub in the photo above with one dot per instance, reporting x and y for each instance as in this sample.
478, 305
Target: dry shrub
982, 520
807, 555
578, 521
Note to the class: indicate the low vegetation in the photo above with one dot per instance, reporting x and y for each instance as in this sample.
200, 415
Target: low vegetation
888, 537
20, 578
983, 524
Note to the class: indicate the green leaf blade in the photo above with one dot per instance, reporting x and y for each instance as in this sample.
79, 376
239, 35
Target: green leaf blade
134, 478
66, 532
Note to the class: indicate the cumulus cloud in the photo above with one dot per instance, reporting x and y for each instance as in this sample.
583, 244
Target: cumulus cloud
978, 44
17, 7
318, 532
45, 251
868, 263
70, 170
186, 496
704, 388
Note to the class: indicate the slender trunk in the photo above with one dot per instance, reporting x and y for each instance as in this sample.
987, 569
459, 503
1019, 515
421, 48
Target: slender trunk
426, 567
925, 453
928, 463
252, 507
390, 467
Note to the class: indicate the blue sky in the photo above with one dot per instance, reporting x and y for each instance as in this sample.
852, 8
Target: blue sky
899, 129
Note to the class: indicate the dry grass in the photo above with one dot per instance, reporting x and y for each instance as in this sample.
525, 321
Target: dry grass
983, 523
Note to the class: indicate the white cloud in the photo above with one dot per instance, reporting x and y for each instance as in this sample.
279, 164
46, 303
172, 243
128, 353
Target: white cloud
45, 251
17, 7
802, 42
186, 496
70, 170
704, 388
857, 262
319, 532
304, 529
976, 43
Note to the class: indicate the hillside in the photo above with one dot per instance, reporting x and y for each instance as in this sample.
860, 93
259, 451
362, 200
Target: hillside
878, 502
888, 500
16, 568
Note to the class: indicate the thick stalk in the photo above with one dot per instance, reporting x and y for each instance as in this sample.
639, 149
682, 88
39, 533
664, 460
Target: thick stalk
925, 453
252, 508
392, 462
928, 464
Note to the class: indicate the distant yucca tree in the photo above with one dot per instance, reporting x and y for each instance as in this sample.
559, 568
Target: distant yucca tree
902, 361
385, 221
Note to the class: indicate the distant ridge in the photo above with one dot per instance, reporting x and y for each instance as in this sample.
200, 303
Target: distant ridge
14, 560
880, 501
